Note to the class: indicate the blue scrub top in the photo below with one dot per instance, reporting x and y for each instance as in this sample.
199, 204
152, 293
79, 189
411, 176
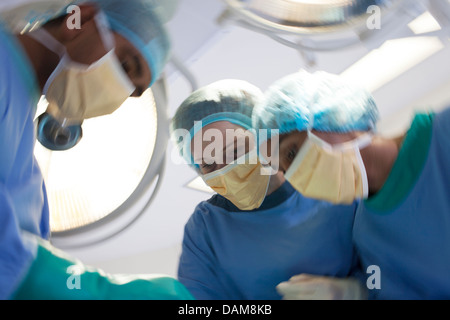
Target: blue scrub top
23, 201
404, 229
232, 254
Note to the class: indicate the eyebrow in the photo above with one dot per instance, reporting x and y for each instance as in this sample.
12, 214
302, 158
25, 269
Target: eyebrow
224, 152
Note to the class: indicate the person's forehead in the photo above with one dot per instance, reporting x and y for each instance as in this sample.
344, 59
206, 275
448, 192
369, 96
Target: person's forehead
220, 129
126, 45
288, 137
220, 126
223, 126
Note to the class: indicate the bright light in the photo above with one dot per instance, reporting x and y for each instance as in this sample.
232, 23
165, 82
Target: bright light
424, 23
392, 59
90, 181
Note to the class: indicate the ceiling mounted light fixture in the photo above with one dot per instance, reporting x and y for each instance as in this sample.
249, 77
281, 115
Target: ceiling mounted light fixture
313, 16
102, 185
319, 25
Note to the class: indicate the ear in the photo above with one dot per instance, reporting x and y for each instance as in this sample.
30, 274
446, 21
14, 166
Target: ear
78, 20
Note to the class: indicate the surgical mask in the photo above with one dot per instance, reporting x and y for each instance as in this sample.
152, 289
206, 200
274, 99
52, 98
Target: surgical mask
76, 92
244, 182
334, 173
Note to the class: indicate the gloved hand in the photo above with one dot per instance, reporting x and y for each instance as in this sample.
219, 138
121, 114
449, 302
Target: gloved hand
311, 287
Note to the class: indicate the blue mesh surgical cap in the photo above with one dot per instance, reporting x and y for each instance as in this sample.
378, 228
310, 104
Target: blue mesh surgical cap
321, 101
225, 100
140, 22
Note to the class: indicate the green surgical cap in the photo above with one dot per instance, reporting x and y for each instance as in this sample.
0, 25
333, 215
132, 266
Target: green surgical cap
225, 100
320, 101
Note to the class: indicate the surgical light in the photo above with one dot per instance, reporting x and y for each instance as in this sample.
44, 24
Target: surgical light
321, 25
314, 16
116, 165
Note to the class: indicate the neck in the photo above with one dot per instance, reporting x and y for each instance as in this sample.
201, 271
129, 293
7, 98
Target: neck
42, 59
275, 182
379, 158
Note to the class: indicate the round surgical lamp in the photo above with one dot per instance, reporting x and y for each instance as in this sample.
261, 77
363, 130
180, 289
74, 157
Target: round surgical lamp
319, 25
108, 180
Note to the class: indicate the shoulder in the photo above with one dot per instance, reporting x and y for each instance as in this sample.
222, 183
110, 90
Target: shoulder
18, 83
307, 208
5, 74
203, 212
442, 124
7, 47
309, 203
4, 60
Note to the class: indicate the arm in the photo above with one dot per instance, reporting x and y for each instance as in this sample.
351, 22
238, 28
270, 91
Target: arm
55, 275
15, 254
30, 268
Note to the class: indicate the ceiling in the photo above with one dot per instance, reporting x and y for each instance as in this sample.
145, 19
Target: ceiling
211, 52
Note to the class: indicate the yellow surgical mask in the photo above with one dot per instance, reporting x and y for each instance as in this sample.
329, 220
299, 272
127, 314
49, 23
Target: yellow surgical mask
334, 173
76, 92
244, 182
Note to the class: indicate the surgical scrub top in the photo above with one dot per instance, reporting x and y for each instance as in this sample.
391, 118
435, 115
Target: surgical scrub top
232, 254
404, 229
30, 268
23, 202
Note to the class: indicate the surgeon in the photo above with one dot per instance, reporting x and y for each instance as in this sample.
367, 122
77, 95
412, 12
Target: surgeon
256, 231
330, 150
118, 50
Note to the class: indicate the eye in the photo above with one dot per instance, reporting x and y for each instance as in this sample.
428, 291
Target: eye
287, 159
130, 65
291, 154
208, 167
126, 67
